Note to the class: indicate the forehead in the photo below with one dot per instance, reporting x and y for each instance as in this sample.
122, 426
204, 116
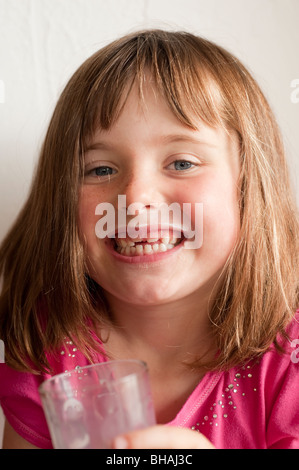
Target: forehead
189, 99
148, 122
147, 102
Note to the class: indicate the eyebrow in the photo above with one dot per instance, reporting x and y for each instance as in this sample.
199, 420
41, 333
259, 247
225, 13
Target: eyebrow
164, 139
173, 138
97, 146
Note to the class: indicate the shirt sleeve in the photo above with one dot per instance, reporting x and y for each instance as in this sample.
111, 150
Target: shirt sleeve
282, 384
283, 424
21, 405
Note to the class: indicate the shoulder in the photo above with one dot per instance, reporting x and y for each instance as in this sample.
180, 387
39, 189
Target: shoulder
279, 378
276, 366
293, 333
290, 345
20, 399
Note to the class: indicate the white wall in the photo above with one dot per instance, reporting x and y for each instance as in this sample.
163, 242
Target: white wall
43, 41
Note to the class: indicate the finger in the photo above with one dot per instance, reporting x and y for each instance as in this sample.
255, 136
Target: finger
162, 437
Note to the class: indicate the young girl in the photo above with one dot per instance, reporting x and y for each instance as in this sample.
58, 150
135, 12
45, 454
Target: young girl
159, 118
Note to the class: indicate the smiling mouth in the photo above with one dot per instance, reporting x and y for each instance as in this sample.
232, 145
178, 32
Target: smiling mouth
145, 246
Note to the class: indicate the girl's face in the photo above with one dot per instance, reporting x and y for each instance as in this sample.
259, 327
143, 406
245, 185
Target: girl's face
148, 156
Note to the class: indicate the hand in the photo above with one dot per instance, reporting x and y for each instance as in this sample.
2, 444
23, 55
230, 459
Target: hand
162, 437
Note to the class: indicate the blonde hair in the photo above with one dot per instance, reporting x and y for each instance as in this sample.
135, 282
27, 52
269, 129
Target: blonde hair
47, 293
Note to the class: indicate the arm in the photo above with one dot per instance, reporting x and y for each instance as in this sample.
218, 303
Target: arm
12, 440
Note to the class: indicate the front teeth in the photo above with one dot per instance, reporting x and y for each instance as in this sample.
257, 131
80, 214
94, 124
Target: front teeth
129, 248
146, 249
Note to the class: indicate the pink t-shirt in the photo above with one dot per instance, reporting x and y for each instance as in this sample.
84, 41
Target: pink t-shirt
251, 407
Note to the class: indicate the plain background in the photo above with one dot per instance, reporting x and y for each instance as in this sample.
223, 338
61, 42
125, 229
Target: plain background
42, 42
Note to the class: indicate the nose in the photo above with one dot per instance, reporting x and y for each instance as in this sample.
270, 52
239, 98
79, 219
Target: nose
144, 187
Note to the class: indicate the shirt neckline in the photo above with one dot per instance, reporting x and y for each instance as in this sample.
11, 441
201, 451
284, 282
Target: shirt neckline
196, 398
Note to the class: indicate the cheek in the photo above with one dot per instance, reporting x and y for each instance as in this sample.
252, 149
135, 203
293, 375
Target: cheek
222, 220
222, 227
86, 214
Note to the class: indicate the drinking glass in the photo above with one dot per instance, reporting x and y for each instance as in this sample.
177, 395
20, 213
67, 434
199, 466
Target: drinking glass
89, 406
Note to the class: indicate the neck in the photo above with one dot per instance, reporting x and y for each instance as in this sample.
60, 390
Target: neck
178, 330
166, 337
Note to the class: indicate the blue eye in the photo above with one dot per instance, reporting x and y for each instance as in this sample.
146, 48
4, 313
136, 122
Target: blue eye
100, 172
103, 171
182, 165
